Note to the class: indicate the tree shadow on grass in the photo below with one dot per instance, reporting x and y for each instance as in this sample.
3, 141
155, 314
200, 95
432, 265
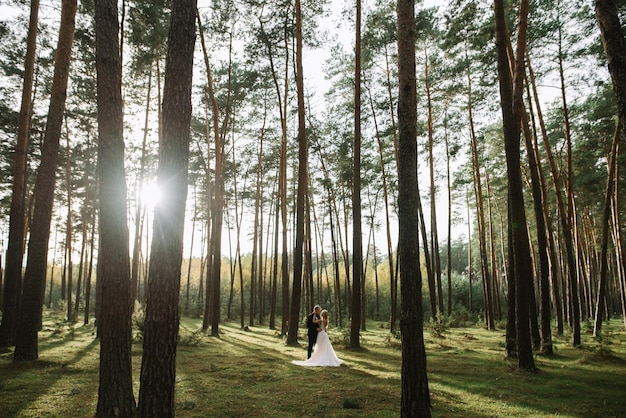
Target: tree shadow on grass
26, 381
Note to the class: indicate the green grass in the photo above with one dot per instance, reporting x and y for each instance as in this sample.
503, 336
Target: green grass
249, 374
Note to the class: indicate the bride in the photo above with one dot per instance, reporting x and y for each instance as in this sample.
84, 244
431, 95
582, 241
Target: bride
324, 355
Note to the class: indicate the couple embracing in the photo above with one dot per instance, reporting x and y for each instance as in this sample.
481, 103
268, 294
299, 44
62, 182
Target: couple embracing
324, 354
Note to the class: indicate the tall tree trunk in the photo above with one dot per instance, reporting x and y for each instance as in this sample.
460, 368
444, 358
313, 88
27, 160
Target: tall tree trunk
427, 259
569, 261
415, 401
257, 235
139, 204
470, 264
158, 369
238, 263
292, 337
214, 303
35, 276
242, 301
615, 49
539, 205
83, 246
54, 257
282, 181
89, 271
12, 286
571, 215
308, 246
274, 275
212, 252
282, 173
449, 238
115, 392
335, 262
2, 282
69, 226
265, 284
435, 259
64, 274
345, 250
492, 254
606, 214
480, 212
554, 259
393, 269
262, 259
335, 232
357, 238
390, 257
511, 92
618, 242
193, 233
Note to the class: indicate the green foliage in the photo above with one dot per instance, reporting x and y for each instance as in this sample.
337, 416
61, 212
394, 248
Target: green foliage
394, 339
439, 325
138, 321
462, 317
192, 339
605, 341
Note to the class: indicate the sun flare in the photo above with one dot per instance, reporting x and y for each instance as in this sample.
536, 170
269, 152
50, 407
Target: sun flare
150, 194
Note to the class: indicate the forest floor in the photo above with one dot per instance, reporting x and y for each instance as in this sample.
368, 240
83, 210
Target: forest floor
250, 374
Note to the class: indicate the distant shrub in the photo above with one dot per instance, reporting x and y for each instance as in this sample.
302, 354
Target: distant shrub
439, 325
191, 340
462, 317
394, 339
138, 322
605, 340
587, 325
344, 338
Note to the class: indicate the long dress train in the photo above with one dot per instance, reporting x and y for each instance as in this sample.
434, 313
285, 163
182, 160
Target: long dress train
324, 354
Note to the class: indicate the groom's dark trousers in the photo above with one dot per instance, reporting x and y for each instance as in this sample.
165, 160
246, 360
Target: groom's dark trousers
311, 333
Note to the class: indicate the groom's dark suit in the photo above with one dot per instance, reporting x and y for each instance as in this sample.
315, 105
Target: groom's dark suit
312, 331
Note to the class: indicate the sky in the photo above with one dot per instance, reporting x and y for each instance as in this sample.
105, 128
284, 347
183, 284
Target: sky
313, 68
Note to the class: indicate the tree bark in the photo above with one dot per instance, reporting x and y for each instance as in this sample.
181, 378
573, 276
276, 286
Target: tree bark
83, 246
512, 110
292, 336
256, 263
615, 49
606, 215
89, 272
69, 228
449, 238
539, 203
357, 238
554, 259
213, 302
435, 259
574, 276
415, 400
115, 392
139, 205
480, 212
158, 369
35, 276
12, 286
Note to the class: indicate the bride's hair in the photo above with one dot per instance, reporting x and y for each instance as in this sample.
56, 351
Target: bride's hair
324, 315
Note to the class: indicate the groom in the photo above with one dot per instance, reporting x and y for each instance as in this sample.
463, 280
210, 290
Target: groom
311, 323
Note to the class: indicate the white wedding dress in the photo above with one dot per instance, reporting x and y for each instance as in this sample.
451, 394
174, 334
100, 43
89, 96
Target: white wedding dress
323, 355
